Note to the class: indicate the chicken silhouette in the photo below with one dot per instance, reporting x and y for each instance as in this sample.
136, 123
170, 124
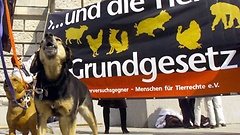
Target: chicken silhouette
189, 38
115, 44
94, 44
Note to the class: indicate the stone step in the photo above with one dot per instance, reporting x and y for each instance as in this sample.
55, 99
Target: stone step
3, 113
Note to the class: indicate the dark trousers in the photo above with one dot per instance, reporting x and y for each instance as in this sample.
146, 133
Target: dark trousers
187, 108
123, 116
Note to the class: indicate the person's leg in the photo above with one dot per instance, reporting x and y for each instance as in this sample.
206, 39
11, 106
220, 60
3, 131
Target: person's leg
106, 112
210, 111
191, 103
197, 111
184, 105
123, 116
217, 102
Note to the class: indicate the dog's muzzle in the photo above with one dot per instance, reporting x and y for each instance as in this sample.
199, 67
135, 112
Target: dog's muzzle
49, 45
49, 39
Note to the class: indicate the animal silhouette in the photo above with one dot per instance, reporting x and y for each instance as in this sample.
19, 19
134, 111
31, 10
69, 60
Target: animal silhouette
115, 44
189, 38
75, 34
150, 24
94, 44
222, 10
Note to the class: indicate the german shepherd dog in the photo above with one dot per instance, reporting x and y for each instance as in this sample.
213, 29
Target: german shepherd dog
58, 92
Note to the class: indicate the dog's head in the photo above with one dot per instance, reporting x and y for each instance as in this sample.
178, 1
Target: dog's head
51, 46
52, 51
18, 86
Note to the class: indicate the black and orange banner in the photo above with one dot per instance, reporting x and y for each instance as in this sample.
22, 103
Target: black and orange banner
153, 48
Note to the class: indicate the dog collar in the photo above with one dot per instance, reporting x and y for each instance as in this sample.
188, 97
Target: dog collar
27, 96
44, 85
40, 92
22, 98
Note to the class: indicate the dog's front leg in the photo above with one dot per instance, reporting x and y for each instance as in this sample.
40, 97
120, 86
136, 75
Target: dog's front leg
42, 125
12, 131
43, 113
67, 125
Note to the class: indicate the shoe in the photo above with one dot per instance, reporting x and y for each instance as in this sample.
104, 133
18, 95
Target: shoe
223, 125
212, 126
106, 132
187, 125
52, 119
194, 127
125, 131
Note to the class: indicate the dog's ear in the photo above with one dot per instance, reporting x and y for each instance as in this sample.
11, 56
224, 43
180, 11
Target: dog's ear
36, 64
68, 61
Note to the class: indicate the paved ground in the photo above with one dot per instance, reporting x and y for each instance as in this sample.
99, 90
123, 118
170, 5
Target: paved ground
231, 129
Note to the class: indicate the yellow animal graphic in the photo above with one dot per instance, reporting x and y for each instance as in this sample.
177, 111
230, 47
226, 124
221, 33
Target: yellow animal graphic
150, 24
189, 38
223, 10
75, 34
94, 44
117, 45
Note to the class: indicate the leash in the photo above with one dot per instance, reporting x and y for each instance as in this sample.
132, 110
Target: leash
11, 38
1, 48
